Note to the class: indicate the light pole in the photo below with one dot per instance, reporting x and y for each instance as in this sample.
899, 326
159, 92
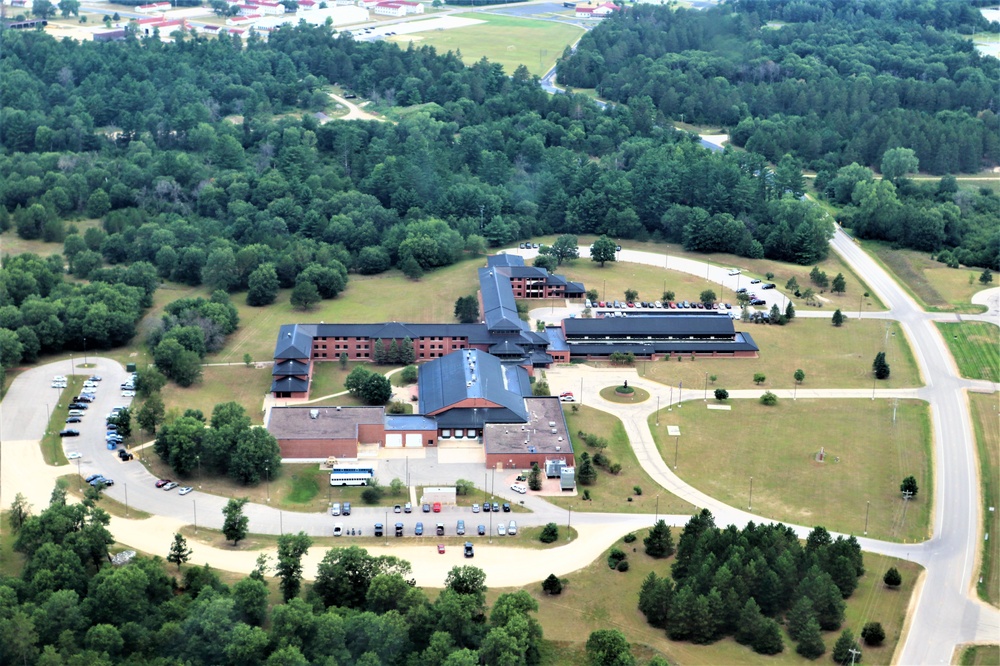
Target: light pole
657, 510
706, 387
194, 505
267, 476
657, 410
861, 302
868, 505
677, 441
198, 458
125, 485
85, 352
670, 405
750, 505
569, 522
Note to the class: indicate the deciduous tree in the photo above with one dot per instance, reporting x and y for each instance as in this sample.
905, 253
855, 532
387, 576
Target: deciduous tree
291, 549
603, 250
179, 551
234, 528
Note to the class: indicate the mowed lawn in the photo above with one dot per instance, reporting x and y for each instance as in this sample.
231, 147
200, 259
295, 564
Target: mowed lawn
868, 454
979, 655
227, 383
389, 296
975, 346
611, 492
596, 597
931, 283
849, 301
831, 357
986, 421
507, 40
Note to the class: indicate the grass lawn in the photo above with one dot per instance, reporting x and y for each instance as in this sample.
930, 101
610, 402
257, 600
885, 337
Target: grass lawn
612, 493
975, 345
932, 284
507, 40
430, 299
328, 378
979, 655
719, 451
984, 419
11, 562
596, 597
229, 383
688, 287
840, 357
610, 394
58, 409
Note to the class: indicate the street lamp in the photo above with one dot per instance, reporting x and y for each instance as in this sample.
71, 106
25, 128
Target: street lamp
267, 475
569, 522
85, 352
657, 510
750, 504
198, 458
194, 505
868, 505
706, 387
125, 485
677, 441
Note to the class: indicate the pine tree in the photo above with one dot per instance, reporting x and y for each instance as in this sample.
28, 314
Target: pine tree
586, 474
892, 577
799, 617
789, 311
838, 318
767, 640
842, 649
749, 624
378, 354
179, 551
552, 585
810, 641
392, 357
406, 353
660, 542
655, 597
880, 367
839, 284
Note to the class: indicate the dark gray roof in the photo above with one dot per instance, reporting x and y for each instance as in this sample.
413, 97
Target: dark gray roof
534, 436
507, 348
741, 342
289, 368
473, 376
524, 272
394, 422
575, 288
499, 308
653, 327
294, 341
504, 260
290, 384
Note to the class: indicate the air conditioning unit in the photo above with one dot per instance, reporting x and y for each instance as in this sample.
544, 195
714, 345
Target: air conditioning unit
314, 413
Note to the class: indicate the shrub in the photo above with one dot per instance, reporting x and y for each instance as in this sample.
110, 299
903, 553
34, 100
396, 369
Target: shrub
629, 538
769, 399
371, 495
892, 577
721, 394
614, 557
615, 468
550, 533
552, 585
873, 633
409, 374
622, 566
637, 490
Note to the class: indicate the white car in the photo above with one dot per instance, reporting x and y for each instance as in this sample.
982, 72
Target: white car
128, 394
512, 528
58, 385
519, 488
184, 490
338, 529
501, 529
74, 455
89, 385
170, 486
734, 271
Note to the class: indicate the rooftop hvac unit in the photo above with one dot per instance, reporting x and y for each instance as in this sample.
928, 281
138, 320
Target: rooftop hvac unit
558, 448
314, 413
338, 408
555, 432
552, 424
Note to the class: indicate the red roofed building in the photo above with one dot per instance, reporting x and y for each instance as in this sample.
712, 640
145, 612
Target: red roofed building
153, 7
390, 9
596, 10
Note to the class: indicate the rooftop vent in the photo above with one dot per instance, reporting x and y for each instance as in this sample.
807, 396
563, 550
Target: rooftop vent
314, 413
552, 424
338, 408
555, 432
558, 448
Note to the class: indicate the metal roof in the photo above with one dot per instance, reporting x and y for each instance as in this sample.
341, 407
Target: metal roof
294, 341
499, 308
472, 377
504, 260
409, 422
290, 384
652, 327
289, 367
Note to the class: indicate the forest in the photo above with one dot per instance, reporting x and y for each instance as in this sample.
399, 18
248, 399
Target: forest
201, 161
69, 606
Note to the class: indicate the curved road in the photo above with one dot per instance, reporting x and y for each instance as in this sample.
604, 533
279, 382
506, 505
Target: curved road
946, 612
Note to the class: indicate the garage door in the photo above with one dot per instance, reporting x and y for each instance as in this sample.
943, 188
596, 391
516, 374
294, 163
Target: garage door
394, 441
414, 440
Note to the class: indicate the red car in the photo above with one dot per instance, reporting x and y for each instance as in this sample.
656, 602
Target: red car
441, 548
437, 507
600, 304
162, 482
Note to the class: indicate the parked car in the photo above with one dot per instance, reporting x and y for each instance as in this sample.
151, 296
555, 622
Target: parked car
437, 507
346, 509
506, 507
338, 529
97, 483
758, 301
95, 378
407, 508
468, 549
496, 507
397, 509
481, 530
78, 405
439, 529
520, 488
755, 281
184, 490
441, 548
128, 394
475, 508
486, 507
73, 455
734, 271
399, 529
501, 529
69, 432
162, 482
512, 528
767, 285
125, 456
567, 398
426, 508
335, 509
460, 528
91, 478
379, 529
171, 485
419, 529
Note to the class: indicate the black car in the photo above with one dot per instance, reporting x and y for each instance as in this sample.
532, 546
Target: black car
99, 482
346, 509
741, 290
755, 281
506, 507
768, 285
125, 455
69, 432
758, 301
74, 419
92, 477
78, 405
486, 507
468, 549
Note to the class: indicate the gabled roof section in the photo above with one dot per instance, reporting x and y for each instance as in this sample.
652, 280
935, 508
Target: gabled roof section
716, 325
504, 260
294, 341
471, 376
290, 368
499, 309
290, 384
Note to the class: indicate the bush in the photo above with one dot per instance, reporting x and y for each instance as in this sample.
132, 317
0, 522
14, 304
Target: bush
622, 566
552, 585
371, 495
637, 490
550, 533
721, 394
769, 399
615, 557
892, 577
629, 538
873, 633
396, 407
615, 468
409, 374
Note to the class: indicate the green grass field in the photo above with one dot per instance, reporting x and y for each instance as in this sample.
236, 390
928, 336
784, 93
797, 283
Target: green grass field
985, 420
58, 410
980, 655
932, 284
507, 40
830, 357
611, 492
975, 346
867, 456
226, 383
596, 597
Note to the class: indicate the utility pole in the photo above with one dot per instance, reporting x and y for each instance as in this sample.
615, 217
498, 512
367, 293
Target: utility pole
657, 410
677, 441
125, 485
706, 387
670, 405
854, 653
750, 505
868, 506
569, 523
194, 503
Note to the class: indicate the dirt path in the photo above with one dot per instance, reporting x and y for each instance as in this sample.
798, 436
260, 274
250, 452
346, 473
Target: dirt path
354, 112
